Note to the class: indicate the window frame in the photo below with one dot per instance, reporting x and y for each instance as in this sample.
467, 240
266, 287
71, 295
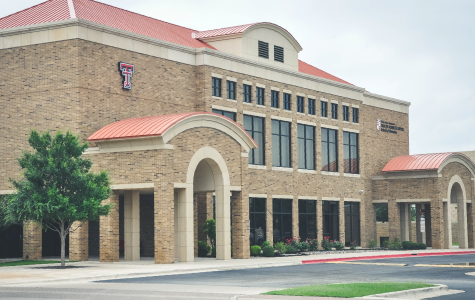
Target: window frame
216, 86
311, 106
225, 113
304, 216
355, 114
246, 93
253, 215
346, 113
260, 99
327, 230
306, 141
274, 98
252, 132
334, 111
327, 144
348, 146
300, 104
324, 109
287, 102
279, 135
231, 89
352, 234
281, 215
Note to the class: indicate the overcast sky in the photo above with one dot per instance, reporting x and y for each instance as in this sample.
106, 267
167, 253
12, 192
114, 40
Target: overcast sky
417, 51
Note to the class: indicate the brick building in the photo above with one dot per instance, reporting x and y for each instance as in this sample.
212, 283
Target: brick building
226, 124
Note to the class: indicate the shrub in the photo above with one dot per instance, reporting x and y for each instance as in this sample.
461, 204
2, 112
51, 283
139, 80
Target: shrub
280, 247
213, 252
290, 249
313, 245
255, 250
209, 228
338, 245
372, 244
422, 246
326, 244
203, 249
268, 251
265, 244
395, 244
385, 244
303, 246
353, 245
407, 245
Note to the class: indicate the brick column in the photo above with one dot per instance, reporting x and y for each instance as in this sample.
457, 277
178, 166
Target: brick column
470, 225
405, 220
418, 223
164, 205
447, 224
394, 215
269, 220
32, 241
436, 224
341, 219
79, 241
364, 241
240, 225
295, 217
109, 231
320, 223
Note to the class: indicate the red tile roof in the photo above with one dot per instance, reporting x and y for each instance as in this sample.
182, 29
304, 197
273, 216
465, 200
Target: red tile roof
148, 126
57, 10
420, 162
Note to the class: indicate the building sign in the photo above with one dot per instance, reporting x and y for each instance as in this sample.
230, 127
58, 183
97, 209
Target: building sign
387, 127
127, 70
423, 221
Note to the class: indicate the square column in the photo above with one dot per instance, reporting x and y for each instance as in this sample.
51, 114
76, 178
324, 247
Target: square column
295, 217
471, 225
32, 241
240, 224
341, 220
405, 222
223, 223
394, 217
462, 223
435, 222
109, 231
132, 225
320, 222
79, 241
185, 225
447, 224
269, 220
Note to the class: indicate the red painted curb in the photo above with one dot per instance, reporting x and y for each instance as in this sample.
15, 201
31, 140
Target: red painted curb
319, 261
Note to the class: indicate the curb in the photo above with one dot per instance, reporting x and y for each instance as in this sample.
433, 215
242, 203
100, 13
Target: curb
319, 261
409, 293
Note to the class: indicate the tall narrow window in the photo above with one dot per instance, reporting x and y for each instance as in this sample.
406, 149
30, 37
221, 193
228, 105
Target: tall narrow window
306, 146
274, 99
334, 111
324, 108
263, 49
260, 96
307, 219
281, 144
350, 152
287, 101
216, 86
329, 150
300, 104
229, 114
355, 115
257, 220
331, 224
311, 106
346, 113
278, 54
231, 88
255, 127
282, 213
246, 93
352, 223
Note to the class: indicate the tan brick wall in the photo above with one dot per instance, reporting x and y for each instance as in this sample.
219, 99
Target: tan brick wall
79, 241
109, 231
32, 246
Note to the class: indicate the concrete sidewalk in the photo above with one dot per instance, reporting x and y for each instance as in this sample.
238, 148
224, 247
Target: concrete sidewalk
94, 270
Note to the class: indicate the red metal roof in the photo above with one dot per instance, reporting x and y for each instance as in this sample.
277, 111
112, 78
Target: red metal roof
148, 126
311, 70
420, 162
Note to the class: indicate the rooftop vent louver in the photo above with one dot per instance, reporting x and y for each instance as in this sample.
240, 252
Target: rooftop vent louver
279, 54
263, 49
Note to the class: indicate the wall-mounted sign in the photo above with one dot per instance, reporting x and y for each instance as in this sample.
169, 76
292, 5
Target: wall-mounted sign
127, 70
387, 127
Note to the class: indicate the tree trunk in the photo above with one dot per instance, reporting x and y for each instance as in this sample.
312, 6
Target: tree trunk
63, 244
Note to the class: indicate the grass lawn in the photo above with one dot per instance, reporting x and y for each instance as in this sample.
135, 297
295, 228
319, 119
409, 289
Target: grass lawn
28, 262
349, 290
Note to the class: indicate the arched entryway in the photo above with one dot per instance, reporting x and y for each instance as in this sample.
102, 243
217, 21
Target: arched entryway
207, 172
455, 214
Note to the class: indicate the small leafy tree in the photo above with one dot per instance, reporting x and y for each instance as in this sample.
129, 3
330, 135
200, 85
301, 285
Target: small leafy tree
381, 212
209, 227
57, 188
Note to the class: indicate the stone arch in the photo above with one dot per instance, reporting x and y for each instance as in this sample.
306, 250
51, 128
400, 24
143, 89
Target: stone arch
456, 195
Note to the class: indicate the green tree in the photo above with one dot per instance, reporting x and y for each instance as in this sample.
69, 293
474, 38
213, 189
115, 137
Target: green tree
57, 188
209, 227
381, 212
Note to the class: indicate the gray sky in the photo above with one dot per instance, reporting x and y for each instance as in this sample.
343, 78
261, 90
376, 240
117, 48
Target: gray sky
418, 51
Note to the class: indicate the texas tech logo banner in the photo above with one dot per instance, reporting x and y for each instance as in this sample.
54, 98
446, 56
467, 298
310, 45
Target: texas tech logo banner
127, 70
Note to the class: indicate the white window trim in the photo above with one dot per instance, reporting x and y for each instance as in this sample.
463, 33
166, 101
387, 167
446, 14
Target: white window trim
282, 169
231, 79
281, 118
351, 130
216, 75
329, 126
306, 123
330, 173
307, 171
258, 167
224, 108
283, 196
251, 113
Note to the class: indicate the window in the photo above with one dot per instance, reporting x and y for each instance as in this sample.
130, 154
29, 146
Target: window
300, 104
307, 219
231, 88
346, 113
331, 226
287, 101
324, 108
350, 152
352, 223
278, 54
263, 49
216, 86
274, 99
334, 111
281, 143
329, 150
246, 93
311, 106
255, 127
356, 112
229, 114
282, 209
260, 96
306, 146
257, 218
